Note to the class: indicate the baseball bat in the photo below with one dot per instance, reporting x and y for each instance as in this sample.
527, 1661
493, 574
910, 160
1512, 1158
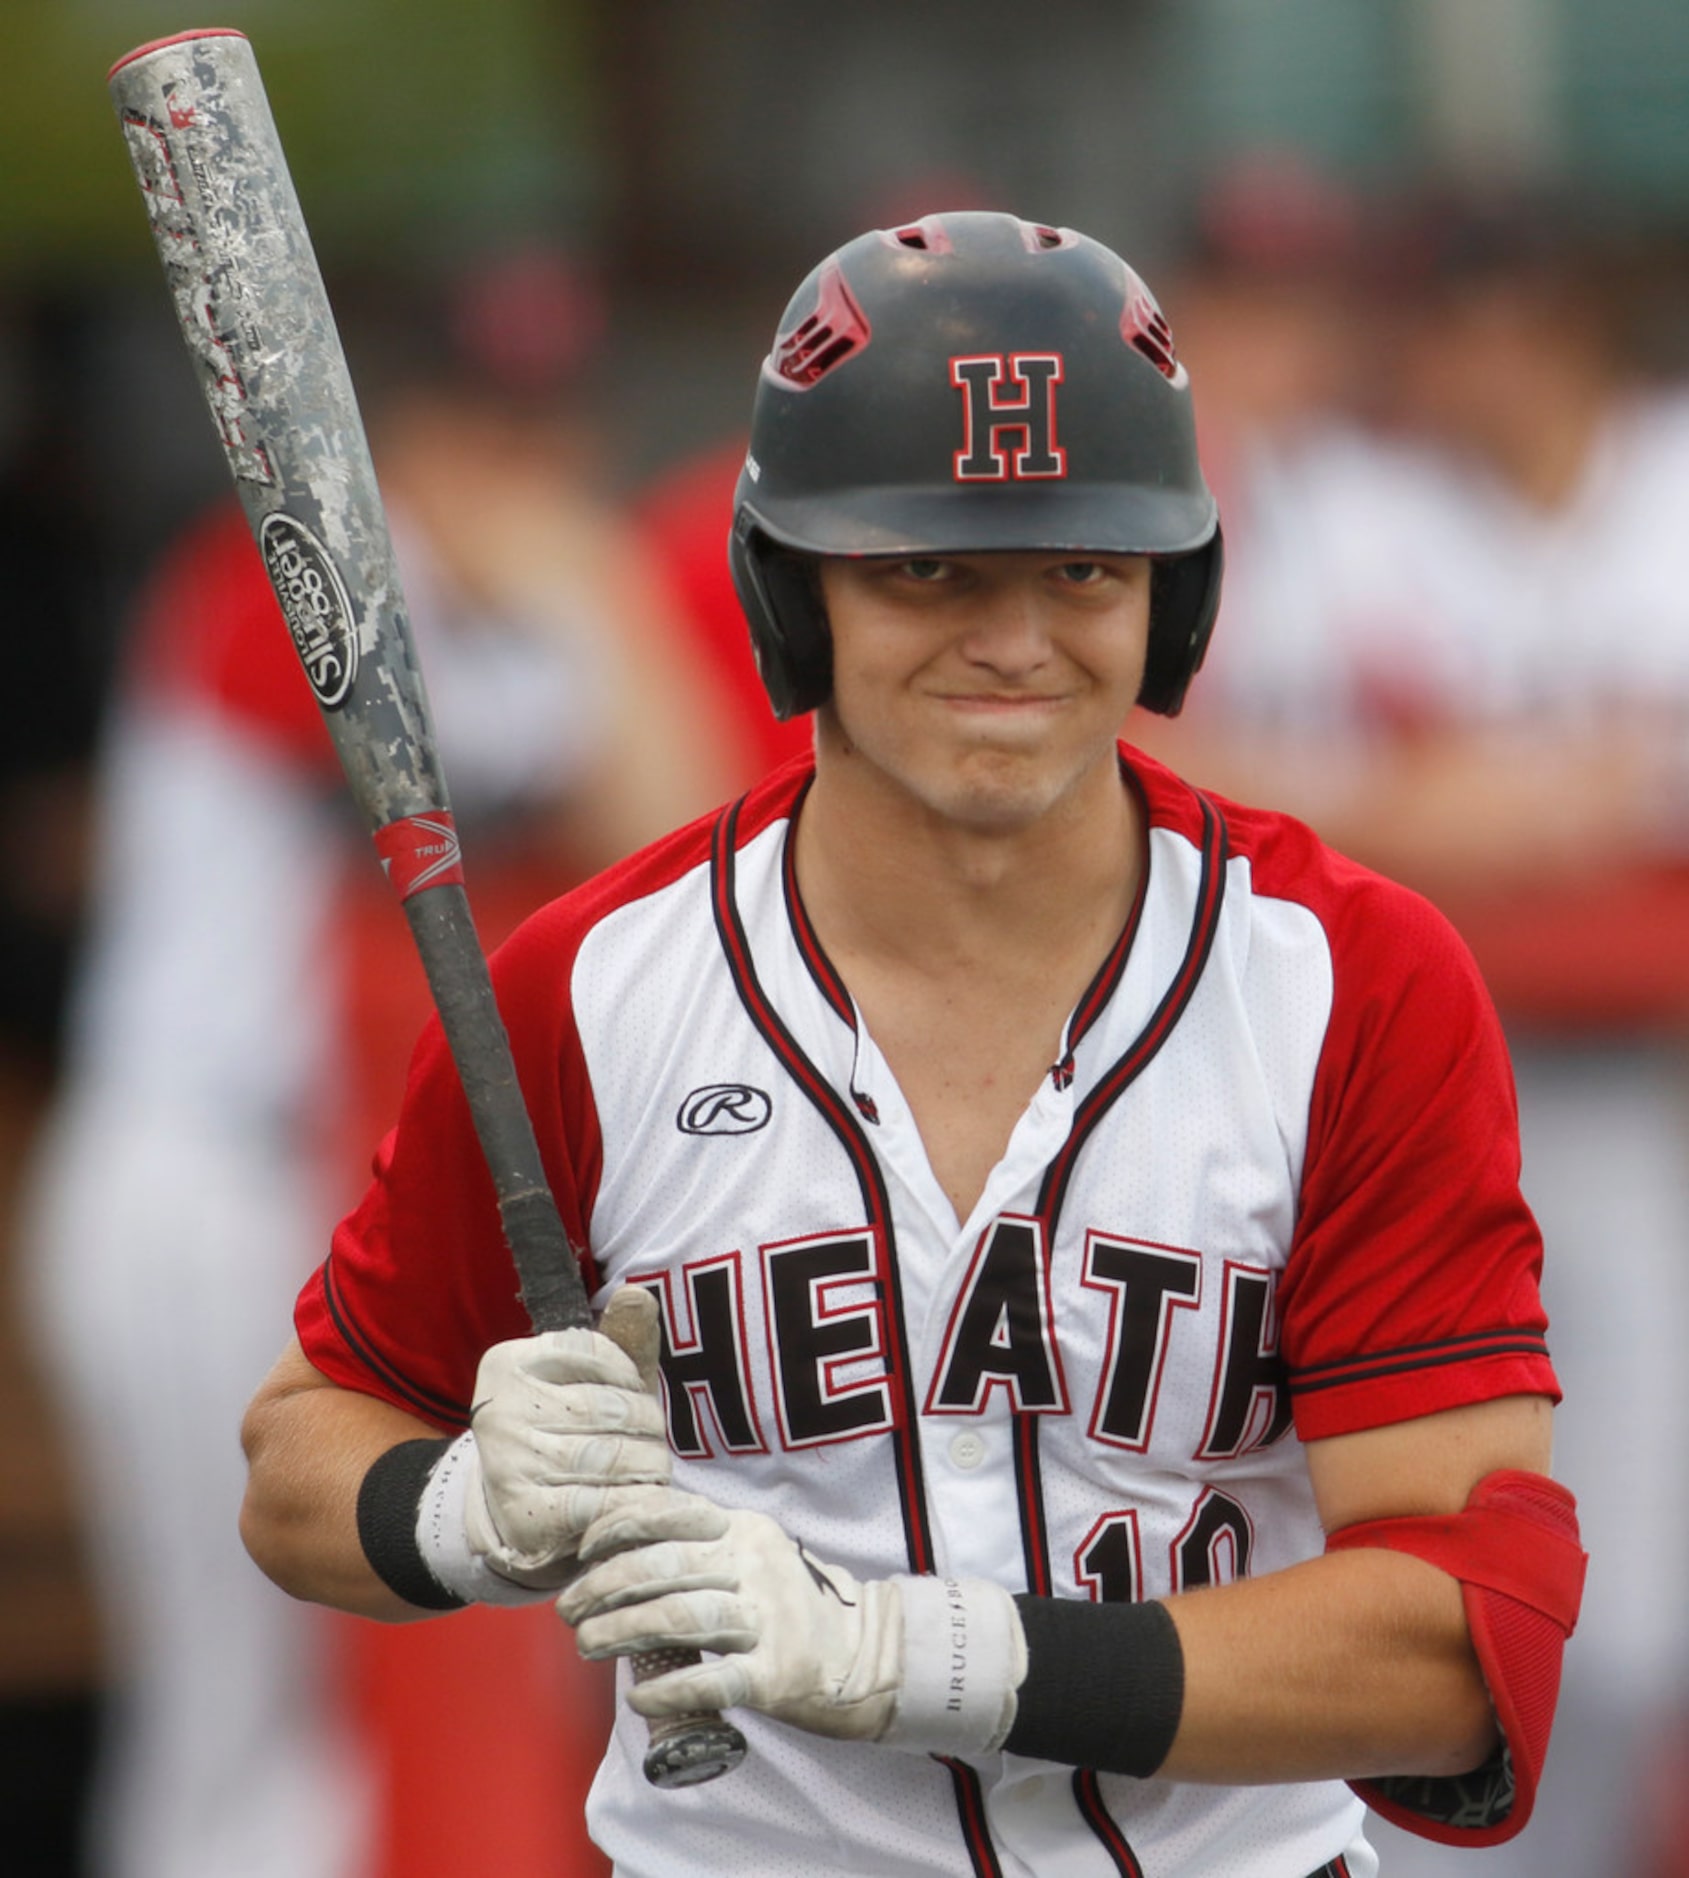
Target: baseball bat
256, 318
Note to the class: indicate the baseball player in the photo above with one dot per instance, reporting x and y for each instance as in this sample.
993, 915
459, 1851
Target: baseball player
1105, 1404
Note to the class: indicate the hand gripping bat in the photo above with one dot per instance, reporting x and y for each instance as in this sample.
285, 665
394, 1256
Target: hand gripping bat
256, 318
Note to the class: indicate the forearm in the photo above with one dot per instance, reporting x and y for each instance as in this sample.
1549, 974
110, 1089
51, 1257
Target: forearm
1352, 1665
1343, 1667
308, 1447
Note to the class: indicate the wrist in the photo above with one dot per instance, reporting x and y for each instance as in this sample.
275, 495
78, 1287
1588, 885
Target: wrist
388, 1498
1104, 1685
412, 1528
443, 1534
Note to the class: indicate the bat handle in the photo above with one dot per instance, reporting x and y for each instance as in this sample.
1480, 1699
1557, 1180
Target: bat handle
686, 1750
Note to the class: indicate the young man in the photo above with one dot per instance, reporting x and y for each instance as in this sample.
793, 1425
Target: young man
1099, 1324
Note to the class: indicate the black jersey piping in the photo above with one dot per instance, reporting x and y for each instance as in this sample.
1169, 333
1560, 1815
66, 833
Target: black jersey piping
439, 1409
837, 1115
917, 1529
1205, 919
1087, 1796
1473, 1346
1163, 1020
820, 967
970, 1805
1211, 891
1102, 987
730, 928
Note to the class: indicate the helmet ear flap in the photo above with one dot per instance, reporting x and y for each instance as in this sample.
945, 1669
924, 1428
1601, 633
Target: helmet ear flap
780, 592
1184, 599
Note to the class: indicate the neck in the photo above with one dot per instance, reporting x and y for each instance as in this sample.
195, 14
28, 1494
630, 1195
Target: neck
884, 878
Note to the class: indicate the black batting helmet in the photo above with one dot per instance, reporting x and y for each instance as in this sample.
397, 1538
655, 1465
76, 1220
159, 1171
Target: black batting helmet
968, 383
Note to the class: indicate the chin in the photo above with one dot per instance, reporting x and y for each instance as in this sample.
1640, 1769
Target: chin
1001, 804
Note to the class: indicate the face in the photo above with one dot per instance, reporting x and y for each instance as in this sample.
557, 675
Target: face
988, 689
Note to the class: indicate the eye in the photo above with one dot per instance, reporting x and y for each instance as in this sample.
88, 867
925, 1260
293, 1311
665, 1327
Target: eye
925, 571
1082, 573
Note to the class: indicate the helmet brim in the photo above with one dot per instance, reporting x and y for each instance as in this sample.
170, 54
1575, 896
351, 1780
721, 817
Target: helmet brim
1101, 519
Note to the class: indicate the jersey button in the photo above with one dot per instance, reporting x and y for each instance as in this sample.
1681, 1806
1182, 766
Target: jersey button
967, 1450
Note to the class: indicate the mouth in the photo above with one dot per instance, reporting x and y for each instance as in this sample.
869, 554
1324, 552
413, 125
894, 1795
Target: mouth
1005, 702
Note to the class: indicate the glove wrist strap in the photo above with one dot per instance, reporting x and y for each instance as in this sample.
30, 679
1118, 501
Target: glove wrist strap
963, 1659
442, 1537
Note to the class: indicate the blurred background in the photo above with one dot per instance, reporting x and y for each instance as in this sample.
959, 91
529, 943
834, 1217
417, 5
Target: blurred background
1428, 261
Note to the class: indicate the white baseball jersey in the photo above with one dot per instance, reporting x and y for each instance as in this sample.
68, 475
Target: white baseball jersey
1267, 1193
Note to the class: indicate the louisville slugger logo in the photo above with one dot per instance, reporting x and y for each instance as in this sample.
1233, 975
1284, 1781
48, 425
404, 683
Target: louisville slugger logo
315, 604
1008, 416
724, 1108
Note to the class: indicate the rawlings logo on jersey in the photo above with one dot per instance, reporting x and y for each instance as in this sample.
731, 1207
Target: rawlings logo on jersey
1008, 417
724, 1108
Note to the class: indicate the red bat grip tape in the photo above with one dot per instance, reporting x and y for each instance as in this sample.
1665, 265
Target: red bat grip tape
420, 851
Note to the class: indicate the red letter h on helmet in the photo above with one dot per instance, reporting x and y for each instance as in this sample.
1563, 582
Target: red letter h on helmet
1004, 399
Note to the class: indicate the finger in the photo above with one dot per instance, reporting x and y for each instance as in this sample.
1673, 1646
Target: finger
572, 1356
541, 1527
644, 1519
707, 1618
548, 1459
592, 1408
643, 1575
724, 1682
630, 1322
514, 1368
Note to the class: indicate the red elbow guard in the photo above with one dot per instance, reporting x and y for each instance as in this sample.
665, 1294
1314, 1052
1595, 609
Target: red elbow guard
1515, 1550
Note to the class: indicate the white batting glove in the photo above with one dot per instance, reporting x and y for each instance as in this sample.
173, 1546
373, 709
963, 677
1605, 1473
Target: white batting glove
927, 1664
562, 1423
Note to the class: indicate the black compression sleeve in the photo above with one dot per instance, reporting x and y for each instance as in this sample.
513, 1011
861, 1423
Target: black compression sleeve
388, 1500
1104, 1688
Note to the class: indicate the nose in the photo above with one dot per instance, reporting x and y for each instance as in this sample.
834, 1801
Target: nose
1008, 631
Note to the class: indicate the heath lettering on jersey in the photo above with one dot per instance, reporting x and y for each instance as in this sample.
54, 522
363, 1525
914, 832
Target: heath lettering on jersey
314, 603
822, 1308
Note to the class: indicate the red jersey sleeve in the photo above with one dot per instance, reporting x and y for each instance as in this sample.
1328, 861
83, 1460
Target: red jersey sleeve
419, 1281
1412, 1282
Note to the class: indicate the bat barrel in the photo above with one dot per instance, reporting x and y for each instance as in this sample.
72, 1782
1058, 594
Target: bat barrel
254, 312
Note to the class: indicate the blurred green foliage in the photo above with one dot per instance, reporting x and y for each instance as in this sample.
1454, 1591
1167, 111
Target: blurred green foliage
408, 124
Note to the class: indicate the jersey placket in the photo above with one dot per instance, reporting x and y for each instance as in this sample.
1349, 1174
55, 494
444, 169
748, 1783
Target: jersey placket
966, 1468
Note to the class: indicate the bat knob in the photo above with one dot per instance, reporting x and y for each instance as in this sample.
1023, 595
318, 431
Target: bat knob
701, 1748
